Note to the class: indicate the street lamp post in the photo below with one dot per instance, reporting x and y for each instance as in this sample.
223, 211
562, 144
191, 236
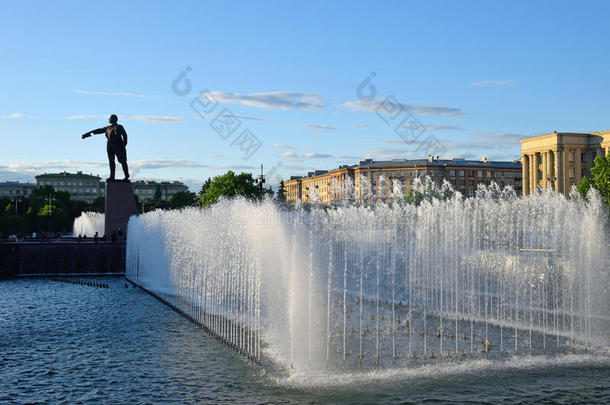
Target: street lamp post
50, 198
16, 201
261, 179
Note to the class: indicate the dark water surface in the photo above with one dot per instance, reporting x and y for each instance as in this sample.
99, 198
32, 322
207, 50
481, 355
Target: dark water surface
68, 343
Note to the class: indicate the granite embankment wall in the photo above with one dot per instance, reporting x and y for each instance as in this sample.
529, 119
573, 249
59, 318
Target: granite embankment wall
61, 258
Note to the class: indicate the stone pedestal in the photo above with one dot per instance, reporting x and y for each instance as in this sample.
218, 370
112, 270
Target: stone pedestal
120, 205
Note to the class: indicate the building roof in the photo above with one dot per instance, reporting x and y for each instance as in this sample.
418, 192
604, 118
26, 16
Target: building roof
16, 184
555, 133
78, 175
369, 163
155, 183
430, 162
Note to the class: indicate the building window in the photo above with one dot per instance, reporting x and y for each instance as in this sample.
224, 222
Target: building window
402, 174
480, 173
412, 173
420, 173
452, 173
583, 158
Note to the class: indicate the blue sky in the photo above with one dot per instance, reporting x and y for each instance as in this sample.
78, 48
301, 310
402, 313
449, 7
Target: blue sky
477, 75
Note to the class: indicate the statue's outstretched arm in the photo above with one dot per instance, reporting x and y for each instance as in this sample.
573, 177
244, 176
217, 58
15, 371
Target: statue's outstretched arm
95, 131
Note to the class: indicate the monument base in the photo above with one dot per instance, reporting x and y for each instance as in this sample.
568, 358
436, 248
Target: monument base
120, 205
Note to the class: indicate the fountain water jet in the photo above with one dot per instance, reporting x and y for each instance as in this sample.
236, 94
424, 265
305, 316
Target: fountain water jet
280, 285
88, 223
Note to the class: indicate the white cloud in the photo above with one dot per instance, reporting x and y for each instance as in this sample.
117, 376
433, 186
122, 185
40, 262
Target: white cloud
493, 83
396, 141
157, 119
164, 164
113, 93
299, 168
442, 128
360, 125
493, 144
16, 116
26, 170
308, 156
373, 105
388, 154
277, 99
319, 127
492, 141
241, 117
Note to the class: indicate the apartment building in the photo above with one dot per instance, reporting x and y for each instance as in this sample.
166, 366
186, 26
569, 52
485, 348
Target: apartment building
464, 175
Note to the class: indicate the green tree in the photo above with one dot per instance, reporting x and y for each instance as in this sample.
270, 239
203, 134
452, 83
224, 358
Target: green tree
205, 186
182, 199
158, 193
59, 213
230, 185
599, 180
76, 207
98, 205
13, 224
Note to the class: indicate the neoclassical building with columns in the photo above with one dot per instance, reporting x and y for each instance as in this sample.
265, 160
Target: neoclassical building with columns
561, 159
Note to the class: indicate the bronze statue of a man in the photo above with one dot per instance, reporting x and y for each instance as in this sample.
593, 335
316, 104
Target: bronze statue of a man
117, 141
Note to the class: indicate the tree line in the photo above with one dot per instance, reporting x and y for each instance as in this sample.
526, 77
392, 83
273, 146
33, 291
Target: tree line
45, 210
48, 210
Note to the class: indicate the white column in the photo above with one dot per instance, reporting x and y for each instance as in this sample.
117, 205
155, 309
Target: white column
525, 174
577, 166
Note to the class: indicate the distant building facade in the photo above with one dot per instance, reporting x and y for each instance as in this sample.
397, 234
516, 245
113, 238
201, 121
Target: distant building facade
15, 189
87, 187
147, 189
84, 187
292, 188
561, 159
464, 175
